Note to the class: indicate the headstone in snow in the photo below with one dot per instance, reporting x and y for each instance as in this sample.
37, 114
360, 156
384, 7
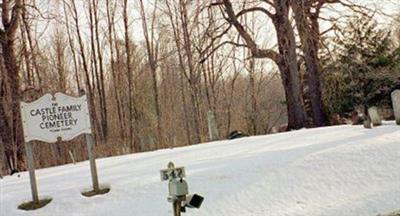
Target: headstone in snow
367, 122
212, 126
374, 116
396, 105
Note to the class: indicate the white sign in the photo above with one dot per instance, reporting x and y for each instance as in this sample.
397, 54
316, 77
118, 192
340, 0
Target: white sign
171, 173
49, 119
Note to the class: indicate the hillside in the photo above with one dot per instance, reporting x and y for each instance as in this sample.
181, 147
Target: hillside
332, 171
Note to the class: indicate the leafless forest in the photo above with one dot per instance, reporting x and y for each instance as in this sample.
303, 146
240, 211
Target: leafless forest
153, 69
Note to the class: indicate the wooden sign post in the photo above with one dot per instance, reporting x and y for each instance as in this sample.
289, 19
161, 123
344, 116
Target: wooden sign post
92, 161
51, 119
32, 176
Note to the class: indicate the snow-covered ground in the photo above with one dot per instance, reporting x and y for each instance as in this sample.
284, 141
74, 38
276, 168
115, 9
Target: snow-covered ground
337, 171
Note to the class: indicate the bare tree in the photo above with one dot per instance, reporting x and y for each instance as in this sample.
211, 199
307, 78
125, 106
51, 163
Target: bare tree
31, 49
101, 80
111, 39
230, 93
308, 29
3, 124
89, 87
72, 48
59, 48
286, 59
11, 133
152, 48
131, 93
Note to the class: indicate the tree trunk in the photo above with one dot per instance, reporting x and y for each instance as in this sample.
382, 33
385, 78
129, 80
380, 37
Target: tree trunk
95, 71
287, 63
89, 88
194, 76
111, 23
185, 110
252, 112
152, 50
32, 49
15, 140
72, 48
102, 93
295, 110
3, 158
286, 59
310, 39
5, 132
133, 138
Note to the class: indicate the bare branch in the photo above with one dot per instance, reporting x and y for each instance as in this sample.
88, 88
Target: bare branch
219, 46
251, 44
255, 9
215, 38
14, 17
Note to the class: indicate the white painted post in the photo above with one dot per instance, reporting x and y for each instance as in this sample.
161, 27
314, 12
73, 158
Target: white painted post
374, 116
32, 176
71, 155
212, 126
396, 105
93, 169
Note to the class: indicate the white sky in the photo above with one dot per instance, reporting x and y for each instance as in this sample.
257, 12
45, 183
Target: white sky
387, 6
265, 37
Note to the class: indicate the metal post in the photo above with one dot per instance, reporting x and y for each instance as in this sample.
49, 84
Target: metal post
90, 147
32, 176
177, 205
93, 169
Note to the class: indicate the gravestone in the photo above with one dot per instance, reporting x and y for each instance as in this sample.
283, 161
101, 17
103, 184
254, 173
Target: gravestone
367, 122
212, 126
396, 105
374, 116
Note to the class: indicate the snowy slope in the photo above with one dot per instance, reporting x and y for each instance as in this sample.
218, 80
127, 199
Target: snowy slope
336, 171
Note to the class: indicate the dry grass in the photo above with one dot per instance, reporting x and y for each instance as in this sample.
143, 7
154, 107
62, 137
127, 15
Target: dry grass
96, 192
396, 213
28, 206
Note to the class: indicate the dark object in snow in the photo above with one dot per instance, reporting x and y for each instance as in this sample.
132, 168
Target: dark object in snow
13, 171
194, 201
236, 134
357, 117
360, 118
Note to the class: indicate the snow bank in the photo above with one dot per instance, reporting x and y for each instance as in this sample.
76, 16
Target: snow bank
337, 171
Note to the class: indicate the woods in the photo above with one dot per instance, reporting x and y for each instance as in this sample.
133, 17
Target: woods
154, 70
